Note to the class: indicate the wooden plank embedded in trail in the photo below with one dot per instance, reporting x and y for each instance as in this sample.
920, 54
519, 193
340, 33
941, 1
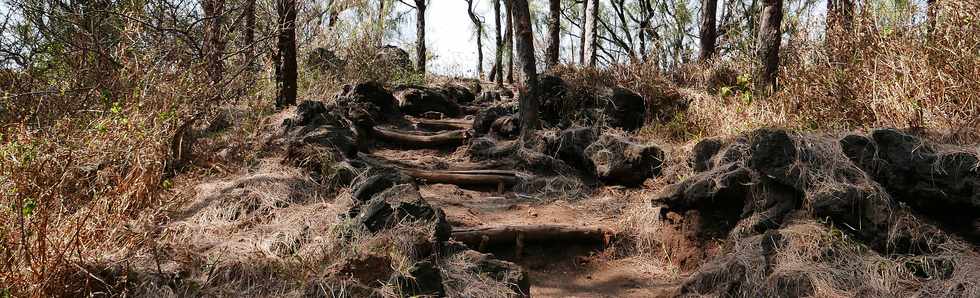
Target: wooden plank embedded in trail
448, 138
465, 177
513, 234
443, 123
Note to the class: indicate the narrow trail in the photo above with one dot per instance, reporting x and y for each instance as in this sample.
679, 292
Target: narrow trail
557, 268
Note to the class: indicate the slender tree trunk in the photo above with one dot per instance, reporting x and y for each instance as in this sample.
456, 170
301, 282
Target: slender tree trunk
420, 33
643, 41
525, 51
591, 33
497, 72
709, 33
286, 53
769, 38
509, 6
479, 37
381, 22
554, 33
581, 36
214, 44
249, 36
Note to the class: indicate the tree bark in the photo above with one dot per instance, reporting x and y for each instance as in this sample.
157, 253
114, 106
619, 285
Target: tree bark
285, 69
554, 33
448, 138
420, 34
528, 102
479, 37
381, 23
497, 73
591, 32
769, 39
582, 43
509, 39
214, 45
709, 33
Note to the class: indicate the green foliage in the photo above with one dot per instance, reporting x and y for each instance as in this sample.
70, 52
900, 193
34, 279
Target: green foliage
742, 89
27, 209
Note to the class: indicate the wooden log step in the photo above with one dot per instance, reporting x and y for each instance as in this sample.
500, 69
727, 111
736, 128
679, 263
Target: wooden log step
515, 234
472, 177
448, 138
443, 123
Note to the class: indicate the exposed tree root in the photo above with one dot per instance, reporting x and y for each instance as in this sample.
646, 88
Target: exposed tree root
449, 138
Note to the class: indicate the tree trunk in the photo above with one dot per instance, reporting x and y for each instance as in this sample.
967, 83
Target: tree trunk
420, 34
381, 22
769, 38
554, 33
249, 36
525, 50
286, 54
509, 39
709, 33
581, 36
591, 32
497, 72
214, 45
479, 37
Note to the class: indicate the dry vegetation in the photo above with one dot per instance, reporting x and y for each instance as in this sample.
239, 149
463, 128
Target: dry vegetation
90, 204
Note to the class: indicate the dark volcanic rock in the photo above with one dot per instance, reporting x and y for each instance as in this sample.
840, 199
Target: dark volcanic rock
570, 147
424, 280
458, 93
394, 57
485, 118
398, 205
371, 97
417, 100
506, 127
943, 186
702, 154
622, 162
624, 109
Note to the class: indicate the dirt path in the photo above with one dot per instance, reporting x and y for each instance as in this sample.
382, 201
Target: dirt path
556, 269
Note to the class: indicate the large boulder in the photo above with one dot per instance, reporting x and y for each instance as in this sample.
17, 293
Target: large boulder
766, 186
484, 119
622, 162
570, 147
395, 57
401, 204
461, 92
623, 109
369, 96
418, 100
940, 184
